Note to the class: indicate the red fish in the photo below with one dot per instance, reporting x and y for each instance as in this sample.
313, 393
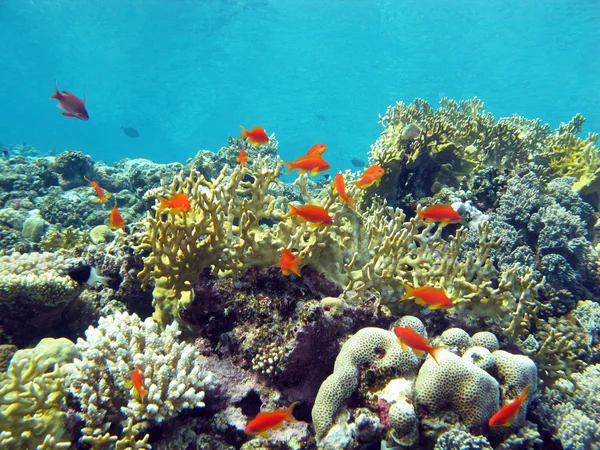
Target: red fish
340, 187
506, 416
289, 263
243, 158
419, 344
265, 421
256, 136
317, 215
102, 196
444, 214
370, 177
314, 151
177, 204
434, 298
314, 165
73, 105
116, 220
138, 383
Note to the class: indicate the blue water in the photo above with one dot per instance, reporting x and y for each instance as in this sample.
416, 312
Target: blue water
187, 74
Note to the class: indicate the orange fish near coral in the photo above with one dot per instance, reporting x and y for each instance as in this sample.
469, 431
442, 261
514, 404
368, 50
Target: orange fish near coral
102, 196
372, 176
243, 158
73, 105
314, 151
506, 416
256, 136
289, 263
444, 214
434, 298
317, 215
419, 344
116, 220
265, 421
177, 204
340, 187
314, 165
138, 383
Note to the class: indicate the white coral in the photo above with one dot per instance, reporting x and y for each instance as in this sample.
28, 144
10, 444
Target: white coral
102, 378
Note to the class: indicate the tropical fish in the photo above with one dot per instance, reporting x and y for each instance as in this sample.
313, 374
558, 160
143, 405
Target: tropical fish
357, 162
177, 204
506, 416
340, 187
243, 158
443, 214
256, 136
310, 213
102, 196
314, 151
419, 344
370, 177
410, 132
116, 220
86, 274
313, 165
73, 105
265, 421
131, 132
434, 298
289, 263
137, 378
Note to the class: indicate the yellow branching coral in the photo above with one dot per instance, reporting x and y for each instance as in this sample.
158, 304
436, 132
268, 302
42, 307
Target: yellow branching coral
30, 406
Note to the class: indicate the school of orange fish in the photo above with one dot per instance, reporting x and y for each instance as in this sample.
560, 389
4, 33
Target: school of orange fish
312, 163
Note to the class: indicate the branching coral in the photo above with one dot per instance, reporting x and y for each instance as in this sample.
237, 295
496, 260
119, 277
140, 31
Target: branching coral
30, 405
101, 378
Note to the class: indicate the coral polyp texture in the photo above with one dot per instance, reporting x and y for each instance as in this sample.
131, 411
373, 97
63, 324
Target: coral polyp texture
200, 327
468, 384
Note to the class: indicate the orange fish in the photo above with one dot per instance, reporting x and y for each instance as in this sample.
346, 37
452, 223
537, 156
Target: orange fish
314, 151
372, 176
102, 196
506, 416
317, 215
340, 187
116, 220
256, 136
138, 383
314, 165
243, 158
265, 421
419, 344
289, 263
444, 214
177, 204
73, 105
434, 298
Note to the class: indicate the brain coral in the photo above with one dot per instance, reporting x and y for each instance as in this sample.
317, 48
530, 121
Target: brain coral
373, 347
458, 385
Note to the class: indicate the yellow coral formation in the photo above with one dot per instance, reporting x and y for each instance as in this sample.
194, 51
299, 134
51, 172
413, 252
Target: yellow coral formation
30, 406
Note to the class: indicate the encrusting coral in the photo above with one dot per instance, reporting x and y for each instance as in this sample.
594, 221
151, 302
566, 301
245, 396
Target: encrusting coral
101, 379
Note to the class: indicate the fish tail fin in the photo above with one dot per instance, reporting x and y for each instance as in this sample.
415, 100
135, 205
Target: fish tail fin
409, 291
293, 211
164, 203
294, 268
433, 351
87, 179
244, 133
290, 166
351, 202
526, 392
107, 195
56, 91
289, 413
